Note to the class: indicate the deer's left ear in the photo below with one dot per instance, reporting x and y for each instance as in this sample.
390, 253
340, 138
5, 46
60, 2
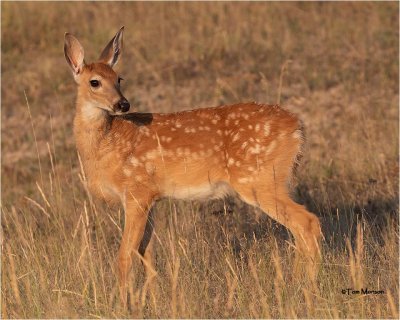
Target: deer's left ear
112, 51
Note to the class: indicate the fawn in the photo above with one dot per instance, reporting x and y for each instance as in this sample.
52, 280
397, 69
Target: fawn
246, 149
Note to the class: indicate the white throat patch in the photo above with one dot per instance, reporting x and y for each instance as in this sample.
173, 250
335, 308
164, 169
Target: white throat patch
92, 112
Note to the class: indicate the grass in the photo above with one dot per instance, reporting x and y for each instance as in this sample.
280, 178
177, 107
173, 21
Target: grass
334, 64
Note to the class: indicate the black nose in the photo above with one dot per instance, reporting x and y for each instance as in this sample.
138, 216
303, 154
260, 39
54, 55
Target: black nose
124, 105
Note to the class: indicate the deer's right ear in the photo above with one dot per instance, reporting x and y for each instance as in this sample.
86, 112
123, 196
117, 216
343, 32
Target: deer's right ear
74, 54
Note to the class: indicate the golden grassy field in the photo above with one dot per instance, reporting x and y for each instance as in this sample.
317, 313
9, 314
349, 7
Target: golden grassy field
334, 64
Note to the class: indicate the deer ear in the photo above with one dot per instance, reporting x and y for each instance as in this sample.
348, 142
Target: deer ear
74, 54
112, 51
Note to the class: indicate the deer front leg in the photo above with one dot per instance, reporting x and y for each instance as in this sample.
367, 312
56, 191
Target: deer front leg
136, 214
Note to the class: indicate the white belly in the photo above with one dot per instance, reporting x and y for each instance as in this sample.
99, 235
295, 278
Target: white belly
202, 192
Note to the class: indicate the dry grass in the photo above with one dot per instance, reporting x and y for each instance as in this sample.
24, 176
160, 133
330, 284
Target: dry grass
335, 64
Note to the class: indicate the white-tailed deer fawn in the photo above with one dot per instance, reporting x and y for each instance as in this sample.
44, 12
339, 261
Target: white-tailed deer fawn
246, 149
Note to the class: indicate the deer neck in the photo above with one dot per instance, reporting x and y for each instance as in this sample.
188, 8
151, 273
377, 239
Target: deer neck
90, 128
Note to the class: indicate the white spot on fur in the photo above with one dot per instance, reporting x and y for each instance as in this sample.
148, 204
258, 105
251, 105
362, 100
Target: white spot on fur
236, 137
245, 180
134, 162
281, 135
267, 129
150, 168
153, 154
297, 134
127, 172
255, 150
257, 127
270, 147
231, 161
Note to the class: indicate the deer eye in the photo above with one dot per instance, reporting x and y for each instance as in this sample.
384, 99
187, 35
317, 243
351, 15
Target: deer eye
94, 83
120, 79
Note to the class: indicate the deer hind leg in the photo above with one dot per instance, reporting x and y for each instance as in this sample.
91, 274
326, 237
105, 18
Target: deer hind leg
136, 216
304, 225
